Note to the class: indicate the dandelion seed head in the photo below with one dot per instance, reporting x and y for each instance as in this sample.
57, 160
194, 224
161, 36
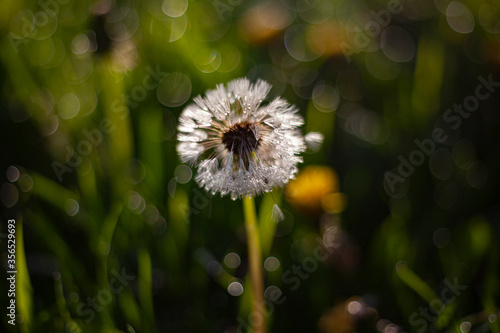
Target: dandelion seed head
277, 215
314, 140
241, 146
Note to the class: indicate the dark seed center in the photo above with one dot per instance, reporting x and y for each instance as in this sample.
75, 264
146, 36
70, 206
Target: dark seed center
240, 138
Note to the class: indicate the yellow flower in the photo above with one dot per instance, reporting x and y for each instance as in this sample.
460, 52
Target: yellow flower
316, 190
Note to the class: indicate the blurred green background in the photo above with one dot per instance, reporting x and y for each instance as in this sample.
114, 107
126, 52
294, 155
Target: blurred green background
113, 234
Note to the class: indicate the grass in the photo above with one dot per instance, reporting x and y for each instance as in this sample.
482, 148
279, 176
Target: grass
114, 240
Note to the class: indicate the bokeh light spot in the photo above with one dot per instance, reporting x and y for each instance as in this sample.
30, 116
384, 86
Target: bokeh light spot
160, 226
80, 44
332, 237
465, 327
78, 68
232, 260
174, 90
135, 202
59, 54
235, 288
183, 174
303, 80
489, 18
69, 106
325, 97
271, 264
171, 29
134, 171
50, 125
297, 46
273, 293
151, 214
9, 195
315, 11
71, 207
397, 44
25, 182
208, 60
354, 307
230, 58
122, 23
45, 24
22, 24
370, 127
175, 8
459, 17
12, 174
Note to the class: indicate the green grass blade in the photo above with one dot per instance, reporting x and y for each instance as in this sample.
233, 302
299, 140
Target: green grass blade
146, 290
24, 290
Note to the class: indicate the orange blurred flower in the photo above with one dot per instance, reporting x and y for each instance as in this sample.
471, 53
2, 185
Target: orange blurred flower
316, 190
264, 21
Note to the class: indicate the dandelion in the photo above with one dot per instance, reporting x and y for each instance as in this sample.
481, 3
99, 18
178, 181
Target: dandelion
243, 148
240, 146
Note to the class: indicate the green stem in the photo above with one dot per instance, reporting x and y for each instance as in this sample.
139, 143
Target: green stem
255, 266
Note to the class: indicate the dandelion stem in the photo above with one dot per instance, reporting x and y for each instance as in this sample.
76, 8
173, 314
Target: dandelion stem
255, 266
